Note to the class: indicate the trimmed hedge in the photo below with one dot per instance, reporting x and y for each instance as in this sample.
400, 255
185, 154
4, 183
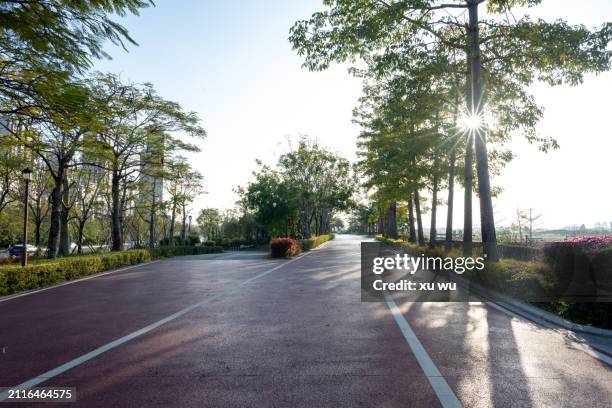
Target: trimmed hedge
232, 243
284, 247
39, 274
169, 252
311, 243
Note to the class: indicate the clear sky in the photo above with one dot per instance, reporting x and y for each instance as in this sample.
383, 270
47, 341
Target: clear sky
231, 62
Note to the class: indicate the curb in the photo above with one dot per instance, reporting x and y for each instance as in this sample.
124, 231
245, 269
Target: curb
532, 312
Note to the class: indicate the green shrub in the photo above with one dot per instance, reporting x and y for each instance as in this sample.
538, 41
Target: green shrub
207, 250
569, 261
388, 240
313, 242
169, 252
193, 240
225, 242
595, 314
601, 265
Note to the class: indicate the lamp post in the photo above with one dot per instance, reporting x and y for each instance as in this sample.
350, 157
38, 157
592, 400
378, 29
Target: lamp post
26, 174
189, 229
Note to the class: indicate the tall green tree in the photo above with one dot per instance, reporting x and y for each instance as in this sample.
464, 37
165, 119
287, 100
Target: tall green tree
139, 133
209, 221
301, 195
524, 50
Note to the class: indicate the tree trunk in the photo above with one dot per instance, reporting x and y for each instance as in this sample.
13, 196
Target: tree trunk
116, 233
451, 198
487, 222
80, 234
37, 225
417, 207
434, 208
152, 214
381, 222
467, 206
305, 222
172, 222
393, 220
56, 213
184, 231
412, 237
64, 241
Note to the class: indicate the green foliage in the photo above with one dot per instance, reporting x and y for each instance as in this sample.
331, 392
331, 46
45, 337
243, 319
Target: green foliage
44, 43
592, 314
193, 240
169, 251
601, 267
313, 242
391, 241
209, 221
300, 197
392, 31
67, 32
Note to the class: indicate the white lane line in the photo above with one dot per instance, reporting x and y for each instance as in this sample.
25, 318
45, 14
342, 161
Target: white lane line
115, 343
443, 391
97, 275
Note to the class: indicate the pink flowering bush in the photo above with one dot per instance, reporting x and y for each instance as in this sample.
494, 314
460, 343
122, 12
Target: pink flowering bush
586, 245
593, 244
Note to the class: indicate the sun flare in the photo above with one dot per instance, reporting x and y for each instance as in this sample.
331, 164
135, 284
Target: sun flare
470, 122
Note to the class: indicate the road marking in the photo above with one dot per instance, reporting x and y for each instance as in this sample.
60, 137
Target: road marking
97, 275
443, 391
122, 340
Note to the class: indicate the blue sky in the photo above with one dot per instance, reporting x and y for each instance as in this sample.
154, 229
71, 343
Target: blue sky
230, 61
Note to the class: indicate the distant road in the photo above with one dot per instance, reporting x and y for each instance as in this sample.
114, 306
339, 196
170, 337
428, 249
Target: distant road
239, 329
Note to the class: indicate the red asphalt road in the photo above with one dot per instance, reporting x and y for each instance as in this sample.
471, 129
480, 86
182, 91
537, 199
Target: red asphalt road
298, 336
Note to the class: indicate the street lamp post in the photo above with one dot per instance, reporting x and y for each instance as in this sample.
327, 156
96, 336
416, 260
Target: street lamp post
26, 174
189, 229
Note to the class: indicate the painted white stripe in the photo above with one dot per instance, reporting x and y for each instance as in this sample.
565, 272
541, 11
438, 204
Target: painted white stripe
115, 343
443, 391
97, 275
